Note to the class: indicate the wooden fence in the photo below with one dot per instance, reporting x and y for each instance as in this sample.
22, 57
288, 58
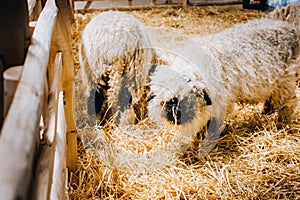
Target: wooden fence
33, 163
148, 4
131, 4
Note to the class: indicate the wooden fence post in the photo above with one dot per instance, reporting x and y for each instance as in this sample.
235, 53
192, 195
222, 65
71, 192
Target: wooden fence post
20, 136
45, 167
63, 42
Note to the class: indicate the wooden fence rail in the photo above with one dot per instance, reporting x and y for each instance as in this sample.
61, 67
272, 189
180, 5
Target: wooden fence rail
131, 4
32, 168
93, 5
56, 124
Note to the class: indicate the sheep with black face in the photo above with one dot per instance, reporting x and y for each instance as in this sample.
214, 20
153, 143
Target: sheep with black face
115, 58
250, 63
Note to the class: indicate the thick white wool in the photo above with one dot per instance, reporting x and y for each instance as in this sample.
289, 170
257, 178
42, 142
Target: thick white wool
248, 63
115, 45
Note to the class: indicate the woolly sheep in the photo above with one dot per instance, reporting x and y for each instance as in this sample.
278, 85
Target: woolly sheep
115, 57
250, 63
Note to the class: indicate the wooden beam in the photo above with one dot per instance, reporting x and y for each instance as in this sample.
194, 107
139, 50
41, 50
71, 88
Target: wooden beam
34, 9
31, 5
153, 4
215, 2
71, 10
129, 3
59, 181
127, 8
33, 16
63, 42
87, 5
45, 166
20, 133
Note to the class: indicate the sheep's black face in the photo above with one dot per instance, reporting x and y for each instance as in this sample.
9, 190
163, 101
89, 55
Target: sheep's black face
179, 112
183, 111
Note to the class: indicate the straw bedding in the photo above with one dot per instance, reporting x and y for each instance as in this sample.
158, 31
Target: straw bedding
251, 160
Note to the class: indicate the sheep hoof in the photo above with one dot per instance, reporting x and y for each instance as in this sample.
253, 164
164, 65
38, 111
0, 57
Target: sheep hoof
268, 108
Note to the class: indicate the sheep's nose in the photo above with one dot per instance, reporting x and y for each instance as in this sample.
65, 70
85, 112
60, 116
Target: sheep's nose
179, 112
173, 111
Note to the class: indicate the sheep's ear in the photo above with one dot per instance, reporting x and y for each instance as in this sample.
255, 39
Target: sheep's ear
206, 98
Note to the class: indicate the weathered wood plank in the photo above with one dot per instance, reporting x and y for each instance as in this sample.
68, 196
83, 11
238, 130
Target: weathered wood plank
45, 164
214, 2
54, 92
58, 188
183, 1
131, 6
87, 5
71, 10
127, 8
35, 11
20, 132
31, 5
63, 39
90, 0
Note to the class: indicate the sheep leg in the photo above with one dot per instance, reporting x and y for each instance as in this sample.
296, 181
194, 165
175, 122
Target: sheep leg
121, 99
95, 101
284, 101
268, 107
210, 135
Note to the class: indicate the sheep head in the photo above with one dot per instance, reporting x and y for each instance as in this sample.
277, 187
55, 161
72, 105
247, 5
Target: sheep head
179, 97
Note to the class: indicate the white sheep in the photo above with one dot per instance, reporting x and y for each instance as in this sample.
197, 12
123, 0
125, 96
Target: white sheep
115, 58
249, 63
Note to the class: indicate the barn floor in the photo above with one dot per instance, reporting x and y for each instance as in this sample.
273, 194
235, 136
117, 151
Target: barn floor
251, 160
